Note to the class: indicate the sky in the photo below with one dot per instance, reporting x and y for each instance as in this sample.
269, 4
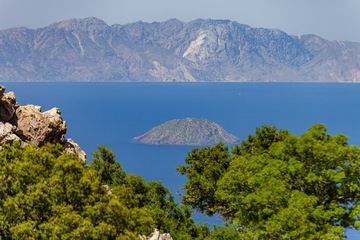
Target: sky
331, 19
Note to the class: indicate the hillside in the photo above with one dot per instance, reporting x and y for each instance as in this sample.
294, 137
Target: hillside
201, 50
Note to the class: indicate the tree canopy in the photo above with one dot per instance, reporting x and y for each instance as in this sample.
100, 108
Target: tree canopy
276, 185
48, 194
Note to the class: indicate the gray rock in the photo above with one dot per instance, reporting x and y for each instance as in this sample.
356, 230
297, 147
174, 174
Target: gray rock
40, 127
10, 138
5, 129
201, 50
74, 148
7, 133
156, 235
7, 105
188, 131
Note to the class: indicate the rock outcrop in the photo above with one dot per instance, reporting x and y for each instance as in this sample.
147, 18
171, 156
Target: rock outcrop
40, 127
188, 131
28, 124
7, 105
74, 148
156, 235
7, 133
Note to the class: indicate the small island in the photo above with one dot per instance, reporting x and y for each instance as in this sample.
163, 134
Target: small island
188, 131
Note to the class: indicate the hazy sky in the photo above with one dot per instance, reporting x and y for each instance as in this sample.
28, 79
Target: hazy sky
332, 19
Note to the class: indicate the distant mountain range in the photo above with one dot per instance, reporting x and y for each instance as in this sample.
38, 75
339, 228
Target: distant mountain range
201, 50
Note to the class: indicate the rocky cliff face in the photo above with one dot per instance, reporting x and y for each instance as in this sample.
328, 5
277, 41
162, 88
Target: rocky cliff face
28, 124
188, 131
201, 50
156, 235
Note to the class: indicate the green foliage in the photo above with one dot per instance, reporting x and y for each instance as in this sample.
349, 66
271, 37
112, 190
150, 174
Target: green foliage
205, 167
226, 232
109, 170
165, 212
48, 194
276, 185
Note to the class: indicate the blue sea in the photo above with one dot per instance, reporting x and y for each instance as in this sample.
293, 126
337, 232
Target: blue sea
113, 113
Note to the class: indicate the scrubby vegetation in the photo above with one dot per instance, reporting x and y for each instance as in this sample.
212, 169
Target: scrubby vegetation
274, 185
48, 194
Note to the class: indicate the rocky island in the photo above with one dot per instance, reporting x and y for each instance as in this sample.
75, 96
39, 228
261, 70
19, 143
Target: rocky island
188, 131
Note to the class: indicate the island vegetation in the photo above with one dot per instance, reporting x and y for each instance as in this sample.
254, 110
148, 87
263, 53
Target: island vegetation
187, 131
274, 185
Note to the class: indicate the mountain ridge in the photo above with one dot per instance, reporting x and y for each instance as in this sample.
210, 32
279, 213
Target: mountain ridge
89, 49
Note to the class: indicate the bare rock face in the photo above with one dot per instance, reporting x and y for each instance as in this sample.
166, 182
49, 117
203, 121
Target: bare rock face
7, 105
156, 235
74, 148
5, 129
7, 134
40, 127
28, 124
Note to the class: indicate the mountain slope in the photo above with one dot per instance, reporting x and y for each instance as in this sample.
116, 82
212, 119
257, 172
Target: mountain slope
201, 50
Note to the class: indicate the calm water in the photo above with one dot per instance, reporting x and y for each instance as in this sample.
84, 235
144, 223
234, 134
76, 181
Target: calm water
112, 114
